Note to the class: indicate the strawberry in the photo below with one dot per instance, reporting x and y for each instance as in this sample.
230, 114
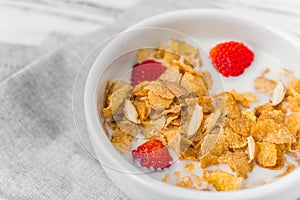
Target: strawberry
148, 70
152, 154
231, 58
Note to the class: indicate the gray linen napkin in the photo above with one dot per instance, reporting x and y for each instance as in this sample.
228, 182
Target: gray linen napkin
41, 156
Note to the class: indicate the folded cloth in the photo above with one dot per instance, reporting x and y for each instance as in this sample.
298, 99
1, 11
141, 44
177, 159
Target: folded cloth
41, 156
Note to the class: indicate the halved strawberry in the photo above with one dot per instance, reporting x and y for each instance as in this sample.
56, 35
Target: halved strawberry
231, 58
148, 70
152, 154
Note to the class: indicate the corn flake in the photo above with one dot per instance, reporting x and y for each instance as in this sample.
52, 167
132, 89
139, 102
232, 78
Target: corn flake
159, 52
183, 68
249, 115
241, 125
171, 75
158, 102
292, 122
207, 78
266, 155
139, 90
121, 141
176, 89
153, 127
263, 84
190, 167
270, 131
143, 109
179, 144
284, 148
209, 155
238, 162
174, 143
244, 99
206, 104
159, 89
190, 154
293, 104
165, 178
234, 140
276, 115
112, 124
169, 134
189, 52
296, 145
122, 90
282, 107
226, 102
170, 118
198, 181
144, 54
169, 57
127, 127
185, 182
117, 92
280, 160
211, 121
295, 84
208, 160
196, 83
222, 180
262, 108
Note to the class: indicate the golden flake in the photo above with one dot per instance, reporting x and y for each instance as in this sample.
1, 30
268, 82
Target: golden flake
270, 131
121, 141
263, 84
238, 162
171, 75
196, 83
244, 99
234, 140
292, 122
165, 178
144, 54
206, 104
276, 115
190, 167
226, 102
222, 180
267, 154
185, 182
159, 102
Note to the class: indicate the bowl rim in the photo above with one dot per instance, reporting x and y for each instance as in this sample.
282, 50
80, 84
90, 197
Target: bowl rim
159, 186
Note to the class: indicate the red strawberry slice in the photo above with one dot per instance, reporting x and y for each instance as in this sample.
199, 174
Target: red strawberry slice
148, 70
231, 58
152, 154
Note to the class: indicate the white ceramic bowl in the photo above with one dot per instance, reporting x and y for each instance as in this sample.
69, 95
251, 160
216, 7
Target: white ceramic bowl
208, 27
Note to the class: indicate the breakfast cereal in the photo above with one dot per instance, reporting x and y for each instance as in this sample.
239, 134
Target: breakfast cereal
263, 84
222, 180
178, 113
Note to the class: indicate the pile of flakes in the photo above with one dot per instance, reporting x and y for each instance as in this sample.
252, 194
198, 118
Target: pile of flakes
211, 129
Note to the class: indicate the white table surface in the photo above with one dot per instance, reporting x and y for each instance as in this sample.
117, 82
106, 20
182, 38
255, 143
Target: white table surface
31, 28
